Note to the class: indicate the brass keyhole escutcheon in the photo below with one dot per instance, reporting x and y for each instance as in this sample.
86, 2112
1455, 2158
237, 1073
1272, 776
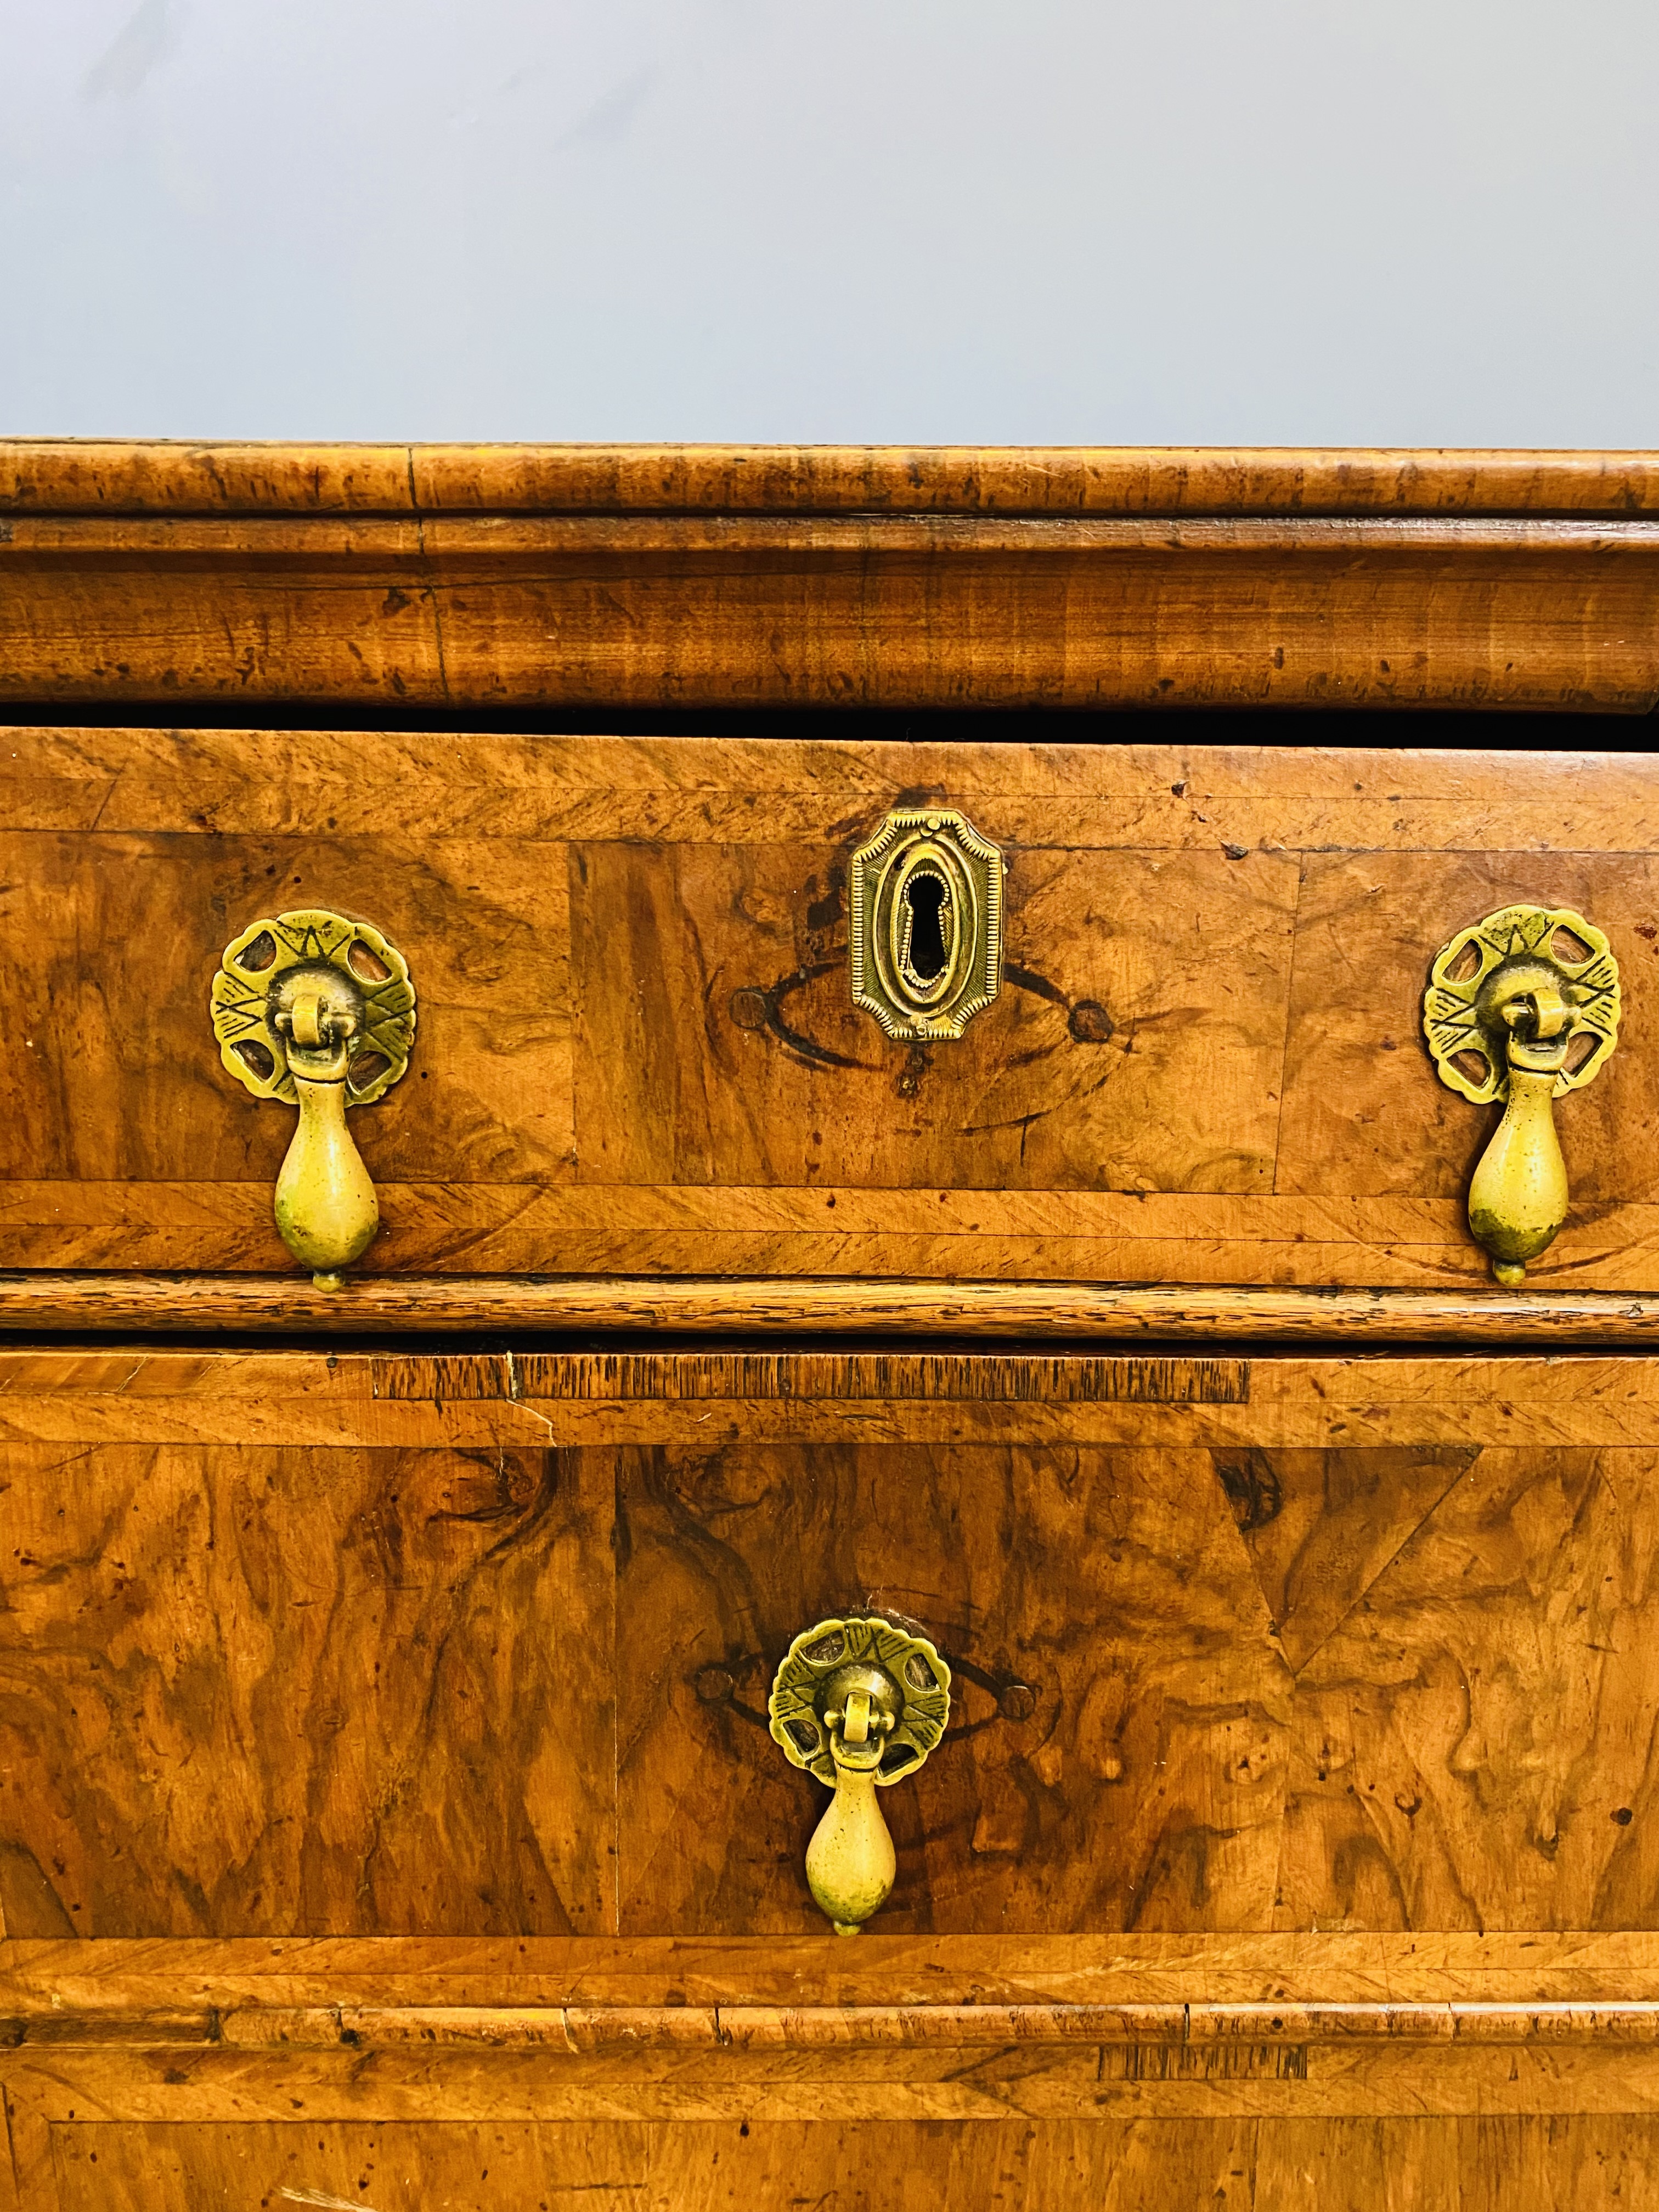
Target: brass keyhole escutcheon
926, 924
859, 1702
1522, 1007
317, 1011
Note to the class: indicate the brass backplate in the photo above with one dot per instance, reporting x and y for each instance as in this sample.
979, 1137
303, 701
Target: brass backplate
914, 1692
1502, 959
926, 924
351, 963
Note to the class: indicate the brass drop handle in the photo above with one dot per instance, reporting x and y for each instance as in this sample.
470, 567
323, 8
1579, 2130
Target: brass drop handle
317, 1010
327, 1209
1522, 1007
859, 1703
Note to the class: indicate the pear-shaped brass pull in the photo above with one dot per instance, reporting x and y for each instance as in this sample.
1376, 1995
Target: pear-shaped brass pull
1522, 1006
860, 1704
318, 1012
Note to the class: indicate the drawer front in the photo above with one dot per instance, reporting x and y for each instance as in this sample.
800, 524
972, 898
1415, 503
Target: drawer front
638, 1051
395, 1725
361, 1645
1583, 2164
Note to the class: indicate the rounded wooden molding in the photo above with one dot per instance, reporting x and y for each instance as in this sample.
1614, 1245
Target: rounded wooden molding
430, 579
47, 1303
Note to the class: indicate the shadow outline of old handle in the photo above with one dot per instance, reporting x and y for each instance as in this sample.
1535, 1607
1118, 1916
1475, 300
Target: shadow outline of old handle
317, 1011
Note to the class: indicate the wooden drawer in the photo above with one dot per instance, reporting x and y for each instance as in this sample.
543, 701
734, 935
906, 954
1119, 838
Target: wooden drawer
638, 1052
371, 1644
387, 1783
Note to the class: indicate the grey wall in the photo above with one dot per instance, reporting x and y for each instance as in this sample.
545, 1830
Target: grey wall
1277, 222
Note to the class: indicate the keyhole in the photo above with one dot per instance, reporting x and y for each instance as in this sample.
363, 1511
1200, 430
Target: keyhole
925, 895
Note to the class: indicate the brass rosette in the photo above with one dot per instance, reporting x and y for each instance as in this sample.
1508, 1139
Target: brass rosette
1505, 957
256, 971
918, 1699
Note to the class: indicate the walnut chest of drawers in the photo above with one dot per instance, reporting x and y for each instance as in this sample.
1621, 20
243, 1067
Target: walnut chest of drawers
1031, 1072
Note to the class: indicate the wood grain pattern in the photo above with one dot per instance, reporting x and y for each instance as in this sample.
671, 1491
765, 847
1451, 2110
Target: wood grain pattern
853, 608
1559, 1978
1142, 1791
637, 1056
276, 1690
157, 476
1315, 2069
1468, 1752
702, 2166
747, 791
1375, 2166
507, 1399
323, 1640
1190, 955
253, 1305
1358, 1116
941, 2084
1320, 1526
1259, 2037
108, 1007
1484, 1758
1023, 1238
